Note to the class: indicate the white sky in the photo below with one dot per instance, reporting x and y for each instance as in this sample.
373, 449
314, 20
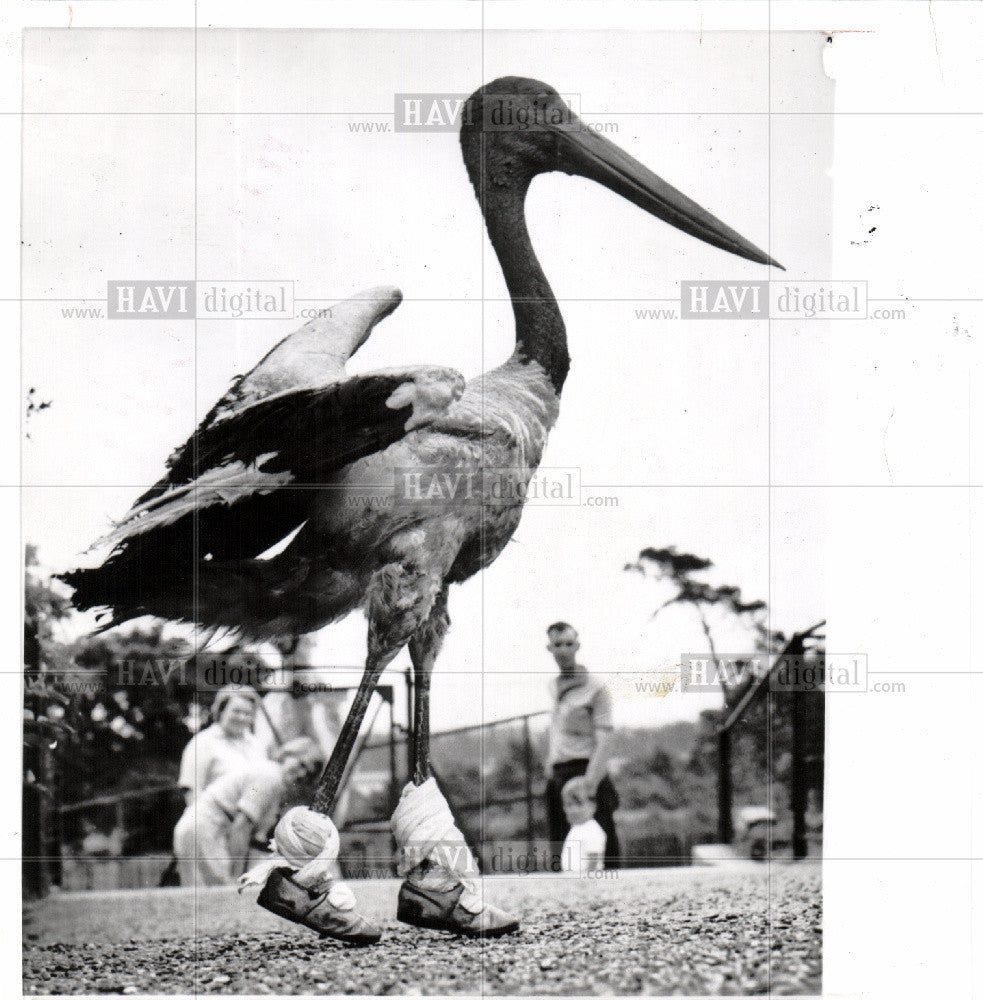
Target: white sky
678, 421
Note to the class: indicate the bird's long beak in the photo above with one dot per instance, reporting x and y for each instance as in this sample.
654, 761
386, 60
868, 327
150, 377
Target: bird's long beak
588, 154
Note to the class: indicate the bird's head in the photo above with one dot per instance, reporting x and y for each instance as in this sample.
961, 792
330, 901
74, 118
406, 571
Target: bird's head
515, 128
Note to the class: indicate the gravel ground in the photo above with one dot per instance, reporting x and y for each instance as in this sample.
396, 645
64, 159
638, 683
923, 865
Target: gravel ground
654, 932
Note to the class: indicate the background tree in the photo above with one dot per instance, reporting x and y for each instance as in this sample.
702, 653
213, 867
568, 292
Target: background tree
679, 570
44, 726
103, 715
761, 740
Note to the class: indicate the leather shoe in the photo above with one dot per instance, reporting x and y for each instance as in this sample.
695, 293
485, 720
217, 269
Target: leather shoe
331, 913
459, 909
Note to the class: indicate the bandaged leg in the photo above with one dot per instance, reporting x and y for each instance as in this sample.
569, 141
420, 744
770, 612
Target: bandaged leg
301, 881
439, 868
428, 839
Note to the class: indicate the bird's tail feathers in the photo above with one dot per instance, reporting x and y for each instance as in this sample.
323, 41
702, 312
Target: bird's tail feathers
258, 598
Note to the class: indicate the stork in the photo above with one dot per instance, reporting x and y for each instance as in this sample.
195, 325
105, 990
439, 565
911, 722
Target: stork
294, 440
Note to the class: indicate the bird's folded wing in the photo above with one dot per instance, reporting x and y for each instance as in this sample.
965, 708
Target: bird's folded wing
290, 439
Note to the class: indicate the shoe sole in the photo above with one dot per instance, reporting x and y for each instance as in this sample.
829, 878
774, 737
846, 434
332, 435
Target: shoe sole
440, 925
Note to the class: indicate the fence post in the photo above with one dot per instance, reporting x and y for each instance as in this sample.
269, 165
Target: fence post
797, 791
393, 779
725, 825
410, 735
528, 787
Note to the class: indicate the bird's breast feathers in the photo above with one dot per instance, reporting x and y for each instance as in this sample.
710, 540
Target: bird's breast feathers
514, 403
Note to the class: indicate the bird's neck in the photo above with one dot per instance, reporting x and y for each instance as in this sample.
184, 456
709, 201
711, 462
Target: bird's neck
540, 335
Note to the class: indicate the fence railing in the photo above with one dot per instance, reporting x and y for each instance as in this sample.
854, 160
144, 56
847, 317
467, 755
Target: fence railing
489, 760
135, 823
800, 759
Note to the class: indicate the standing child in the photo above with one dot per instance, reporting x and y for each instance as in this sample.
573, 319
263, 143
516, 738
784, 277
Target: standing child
583, 850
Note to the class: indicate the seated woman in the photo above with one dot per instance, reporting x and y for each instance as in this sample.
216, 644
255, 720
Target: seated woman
211, 839
228, 744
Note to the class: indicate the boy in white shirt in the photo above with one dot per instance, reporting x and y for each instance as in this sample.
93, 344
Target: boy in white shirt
583, 850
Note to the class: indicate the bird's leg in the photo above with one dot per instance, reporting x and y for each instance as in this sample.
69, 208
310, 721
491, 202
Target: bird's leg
316, 897
424, 647
420, 736
398, 601
437, 892
330, 783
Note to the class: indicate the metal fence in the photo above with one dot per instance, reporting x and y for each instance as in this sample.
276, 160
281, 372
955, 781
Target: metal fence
783, 734
116, 841
491, 775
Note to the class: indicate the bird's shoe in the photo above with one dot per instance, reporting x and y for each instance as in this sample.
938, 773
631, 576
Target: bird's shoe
459, 909
331, 913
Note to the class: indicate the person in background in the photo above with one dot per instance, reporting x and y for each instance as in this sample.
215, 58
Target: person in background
212, 837
226, 745
579, 742
300, 701
583, 850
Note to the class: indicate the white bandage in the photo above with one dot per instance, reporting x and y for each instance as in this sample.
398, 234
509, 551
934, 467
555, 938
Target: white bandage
424, 830
307, 842
303, 836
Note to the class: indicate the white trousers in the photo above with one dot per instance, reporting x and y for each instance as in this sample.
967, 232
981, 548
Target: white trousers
201, 846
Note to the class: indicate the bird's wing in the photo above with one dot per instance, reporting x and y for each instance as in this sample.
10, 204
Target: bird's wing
243, 484
294, 438
313, 356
